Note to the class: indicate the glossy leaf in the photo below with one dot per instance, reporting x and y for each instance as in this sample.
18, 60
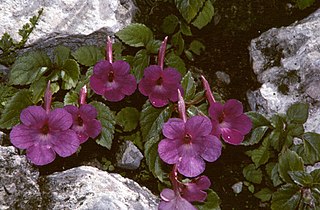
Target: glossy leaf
128, 118
185, 29
140, 62
61, 54
252, 174
88, 55
38, 88
153, 46
189, 8
309, 150
176, 62
295, 129
298, 113
289, 161
302, 4
261, 155
256, 135
264, 194
301, 178
196, 47
107, 119
276, 140
205, 15
189, 86
177, 42
28, 68
13, 108
6, 92
287, 197
70, 74
212, 202
135, 35
170, 24
257, 119
275, 177
71, 98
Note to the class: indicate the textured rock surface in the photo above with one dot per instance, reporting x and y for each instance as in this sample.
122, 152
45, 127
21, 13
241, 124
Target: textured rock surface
86, 187
65, 17
287, 63
18, 181
129, 156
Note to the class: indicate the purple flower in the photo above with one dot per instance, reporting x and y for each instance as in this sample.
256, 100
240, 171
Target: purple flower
229, 121
43, 133
194, 190
112, 80
172, 200
188, 143
160, 85
85, 123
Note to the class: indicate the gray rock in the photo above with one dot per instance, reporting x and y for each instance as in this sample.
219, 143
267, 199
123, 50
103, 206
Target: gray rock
65, 17
129, 156
223, 77
287, 63
86, 187
18, 181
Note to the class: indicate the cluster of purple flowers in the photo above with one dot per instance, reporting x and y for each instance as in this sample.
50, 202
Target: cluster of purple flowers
44, 132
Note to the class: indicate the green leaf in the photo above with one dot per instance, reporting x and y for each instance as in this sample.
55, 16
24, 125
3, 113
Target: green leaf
178, 43
287, 197
298, 113
128, 118
289, 161
276, 140
135, 35
295, 129
107, 119
135, 138
61, 54
189, 86
71, 98
174, 61
257, 119
6, 92
189, 8
194, 111
264, 194
205, 15
256, 135
170, 24
301, 178
310, 149
277, 122
153, 160
196, 47
302, 4
185, 29
252, 174
212, 202
29, 67
261, 155
38, 87
275, 177
153, 46
140, 62
88, 55
6, 42
152, 119
13, 108
70, 74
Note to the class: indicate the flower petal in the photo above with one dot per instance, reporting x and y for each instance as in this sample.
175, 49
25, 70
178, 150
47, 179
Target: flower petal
113, 95
232, 108
203, 182
22, 136
40, 154
73, 110
129, 86
216, 130
178, 203
153, 72
87, 112
120, 68
242, 123
167, 194
173, 93
59, 119
191, 164
102, 69
158, 100
174, 128
171, 76
168, 150
66, 143
216, 111
93, 128
197, 126
97, 85
33, 116
232, 136
211, 148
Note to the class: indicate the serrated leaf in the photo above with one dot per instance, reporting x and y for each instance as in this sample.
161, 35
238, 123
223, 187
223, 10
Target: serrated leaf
252, 174
107, 119
295, 129
205, 15
61, 54
256, 135
185, 29
38, 88
152, 158
196, 47
301, 178
70, 74
170, 24
275, 177
264, 194
6, 42
257, 119
298, 113
174, 61
88, 55
189, 86
135, 138
287, 197
153, 46
177, 42
13, 108
140, 62
289, 161
310, 149
189, 8
261, 155
135, 35
276, 140
71, 98
302, 4
152, 119
277, 122
6, 92
212, 202
128, 118
29, 67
